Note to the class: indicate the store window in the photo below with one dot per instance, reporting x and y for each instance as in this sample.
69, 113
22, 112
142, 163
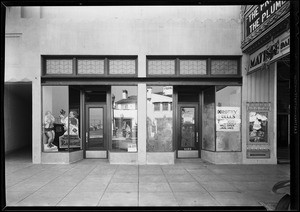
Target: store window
208, 120
228, 118
61, 123
124, 118
159, 122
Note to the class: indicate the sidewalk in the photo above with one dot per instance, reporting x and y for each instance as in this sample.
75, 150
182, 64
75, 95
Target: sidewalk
94, 182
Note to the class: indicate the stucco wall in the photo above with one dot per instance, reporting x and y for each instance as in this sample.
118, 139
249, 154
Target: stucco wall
156, 30
152, 30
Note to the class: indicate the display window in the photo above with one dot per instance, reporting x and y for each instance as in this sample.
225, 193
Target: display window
60, 124
228, 118
208, 120
124, 118
159, 119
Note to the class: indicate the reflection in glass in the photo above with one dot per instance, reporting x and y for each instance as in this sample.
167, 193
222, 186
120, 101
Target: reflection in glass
95, 132
208, 119
124, 123
159, 119
228, 118
60, 127
187, 127
55, 98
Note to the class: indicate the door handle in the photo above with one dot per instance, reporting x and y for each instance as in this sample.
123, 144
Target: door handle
86, 137
196, 136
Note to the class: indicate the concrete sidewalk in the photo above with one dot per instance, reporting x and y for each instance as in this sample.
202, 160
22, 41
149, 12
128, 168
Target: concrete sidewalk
94, 182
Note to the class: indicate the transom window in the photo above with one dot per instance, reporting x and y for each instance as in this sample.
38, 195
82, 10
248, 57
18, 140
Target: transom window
193, 66
89, 66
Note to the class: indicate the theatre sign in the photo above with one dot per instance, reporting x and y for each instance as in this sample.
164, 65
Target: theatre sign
275, 49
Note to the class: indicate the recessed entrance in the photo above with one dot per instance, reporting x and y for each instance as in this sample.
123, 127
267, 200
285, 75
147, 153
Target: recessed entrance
188, 131
188, 121
96, 127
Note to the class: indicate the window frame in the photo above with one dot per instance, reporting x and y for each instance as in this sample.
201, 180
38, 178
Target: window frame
75, 59
208, 59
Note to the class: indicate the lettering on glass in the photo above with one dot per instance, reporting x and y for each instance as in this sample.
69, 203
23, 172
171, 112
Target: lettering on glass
228, 119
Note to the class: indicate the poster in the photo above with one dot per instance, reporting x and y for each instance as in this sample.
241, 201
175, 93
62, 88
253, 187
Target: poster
258, 127
228, 119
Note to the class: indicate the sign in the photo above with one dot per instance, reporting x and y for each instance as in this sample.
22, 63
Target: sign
132, 148
260, 14
273, 50
228, 119
64, 141
259, 106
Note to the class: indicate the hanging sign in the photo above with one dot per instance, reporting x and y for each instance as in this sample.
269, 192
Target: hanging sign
228, 119
273, 50
260, 14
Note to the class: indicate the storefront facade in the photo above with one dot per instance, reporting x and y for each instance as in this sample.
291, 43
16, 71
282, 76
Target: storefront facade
134, 85
266, 44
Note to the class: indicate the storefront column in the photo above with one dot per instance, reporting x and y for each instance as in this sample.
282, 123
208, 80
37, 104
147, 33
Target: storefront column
142, 121
36, 120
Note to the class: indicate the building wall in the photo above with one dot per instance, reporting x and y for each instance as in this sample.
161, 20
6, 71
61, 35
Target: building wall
260, 86
152, 30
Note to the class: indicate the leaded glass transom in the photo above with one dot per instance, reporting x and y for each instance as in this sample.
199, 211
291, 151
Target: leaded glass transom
192, 67
59, 66
90, 66
121, 66
224, 67
161, 67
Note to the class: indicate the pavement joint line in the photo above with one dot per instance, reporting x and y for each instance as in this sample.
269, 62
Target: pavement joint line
205, 188
40, 187
169, 186
74, 186
22, 179
107, 186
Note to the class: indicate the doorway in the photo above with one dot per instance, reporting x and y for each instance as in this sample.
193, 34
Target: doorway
95, 124
283, 110
188, 132
18, 118
96, 141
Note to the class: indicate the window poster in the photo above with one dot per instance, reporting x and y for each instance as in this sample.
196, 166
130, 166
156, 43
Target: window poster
258, 127
228, 119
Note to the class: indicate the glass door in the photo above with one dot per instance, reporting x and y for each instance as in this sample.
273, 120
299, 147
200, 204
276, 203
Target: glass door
188, 131
95, 134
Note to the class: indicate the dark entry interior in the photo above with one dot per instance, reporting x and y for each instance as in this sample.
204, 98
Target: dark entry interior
283, 110
189, 121
18, 118
95, 128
